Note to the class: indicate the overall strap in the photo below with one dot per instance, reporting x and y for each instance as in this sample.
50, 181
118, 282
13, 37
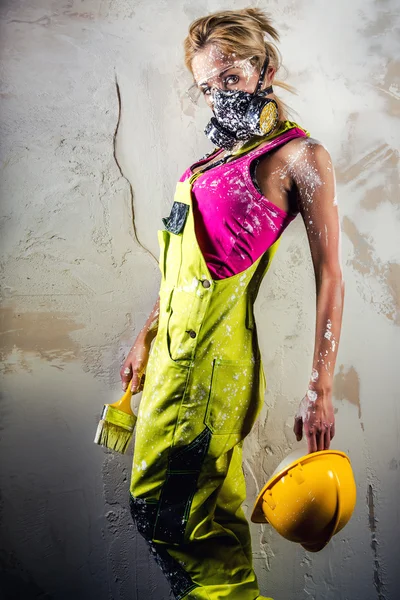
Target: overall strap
283, 127
285, 131
291, 134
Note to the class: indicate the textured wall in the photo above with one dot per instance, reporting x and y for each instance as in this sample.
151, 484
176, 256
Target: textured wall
95, 133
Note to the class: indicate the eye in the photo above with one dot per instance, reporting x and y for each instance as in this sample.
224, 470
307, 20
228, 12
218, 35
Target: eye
229, 79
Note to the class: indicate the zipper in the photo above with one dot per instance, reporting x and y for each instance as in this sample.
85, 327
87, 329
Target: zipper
209, 155
211, 166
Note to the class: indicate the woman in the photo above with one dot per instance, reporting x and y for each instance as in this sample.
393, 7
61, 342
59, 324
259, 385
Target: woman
204, 382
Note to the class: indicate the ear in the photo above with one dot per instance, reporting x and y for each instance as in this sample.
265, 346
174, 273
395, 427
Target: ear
269, 76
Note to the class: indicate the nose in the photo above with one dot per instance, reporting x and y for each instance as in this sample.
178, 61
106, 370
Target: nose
213, 89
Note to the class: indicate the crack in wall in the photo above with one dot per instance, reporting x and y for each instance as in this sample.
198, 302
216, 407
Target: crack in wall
119, 526
131, 195
378, 581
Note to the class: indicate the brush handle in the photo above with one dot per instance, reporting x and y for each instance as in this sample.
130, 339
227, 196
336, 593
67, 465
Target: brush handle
124, 403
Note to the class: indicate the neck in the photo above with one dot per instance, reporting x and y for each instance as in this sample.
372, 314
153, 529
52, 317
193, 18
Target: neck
235, 148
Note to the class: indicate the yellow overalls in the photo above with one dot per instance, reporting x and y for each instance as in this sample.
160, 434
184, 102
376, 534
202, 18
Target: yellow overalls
204, 389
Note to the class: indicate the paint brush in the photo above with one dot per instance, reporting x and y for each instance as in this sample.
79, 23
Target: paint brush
117, 423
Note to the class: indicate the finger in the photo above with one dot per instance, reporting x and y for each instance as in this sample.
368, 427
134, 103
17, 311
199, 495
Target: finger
141, 385
126, 374
327, 439
311, 440
298, 428
321, 439
332, 430
135, 383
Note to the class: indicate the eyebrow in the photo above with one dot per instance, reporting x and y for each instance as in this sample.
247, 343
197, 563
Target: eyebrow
221, 73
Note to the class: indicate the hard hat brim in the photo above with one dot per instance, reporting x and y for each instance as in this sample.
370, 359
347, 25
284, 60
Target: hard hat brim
258, 515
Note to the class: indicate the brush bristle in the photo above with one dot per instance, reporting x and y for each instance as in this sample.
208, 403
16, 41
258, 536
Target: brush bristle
113, 436
115, 429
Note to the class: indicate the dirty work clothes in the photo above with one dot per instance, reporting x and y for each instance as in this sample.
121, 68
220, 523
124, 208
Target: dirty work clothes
235, 223
203, 392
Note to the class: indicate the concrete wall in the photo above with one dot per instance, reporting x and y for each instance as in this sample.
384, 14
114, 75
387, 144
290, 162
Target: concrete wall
95, 133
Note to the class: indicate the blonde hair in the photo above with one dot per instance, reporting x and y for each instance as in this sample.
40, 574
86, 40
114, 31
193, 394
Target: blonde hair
242, 32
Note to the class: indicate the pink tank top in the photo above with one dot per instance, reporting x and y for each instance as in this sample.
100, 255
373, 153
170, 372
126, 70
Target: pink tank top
234, 222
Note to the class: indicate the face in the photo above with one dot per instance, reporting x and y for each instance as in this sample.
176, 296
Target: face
214, 69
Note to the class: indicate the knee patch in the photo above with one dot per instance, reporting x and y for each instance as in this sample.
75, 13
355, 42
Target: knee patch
165, 521
144, 515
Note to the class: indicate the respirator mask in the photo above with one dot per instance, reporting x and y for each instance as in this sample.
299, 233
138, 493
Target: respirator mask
239, 115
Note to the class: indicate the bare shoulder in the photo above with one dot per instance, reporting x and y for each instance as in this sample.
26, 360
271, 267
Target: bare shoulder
296, 153
303, 146
304, 157
298, 162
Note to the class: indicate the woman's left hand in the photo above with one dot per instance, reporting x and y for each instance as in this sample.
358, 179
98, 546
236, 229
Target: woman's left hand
316, 417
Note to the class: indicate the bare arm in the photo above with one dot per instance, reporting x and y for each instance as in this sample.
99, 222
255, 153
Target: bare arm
150, 328
134, 366
314, 177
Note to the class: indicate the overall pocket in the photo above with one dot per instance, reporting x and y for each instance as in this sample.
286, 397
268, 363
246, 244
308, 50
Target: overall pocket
163, 239
170, 257
170, 242
236, 396
176, 220
182, 325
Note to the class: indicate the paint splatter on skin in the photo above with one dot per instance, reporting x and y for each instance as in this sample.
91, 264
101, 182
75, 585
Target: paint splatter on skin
211, 67
328, 332
314, 375
305, 409
329, 335
311, 395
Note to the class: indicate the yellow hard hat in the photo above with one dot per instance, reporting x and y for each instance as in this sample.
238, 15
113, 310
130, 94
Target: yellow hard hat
308, 498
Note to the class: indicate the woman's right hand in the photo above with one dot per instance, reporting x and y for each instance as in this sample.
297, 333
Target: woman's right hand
134, 366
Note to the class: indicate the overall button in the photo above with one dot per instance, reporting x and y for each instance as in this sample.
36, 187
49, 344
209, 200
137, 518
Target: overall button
205, 283
192, 333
